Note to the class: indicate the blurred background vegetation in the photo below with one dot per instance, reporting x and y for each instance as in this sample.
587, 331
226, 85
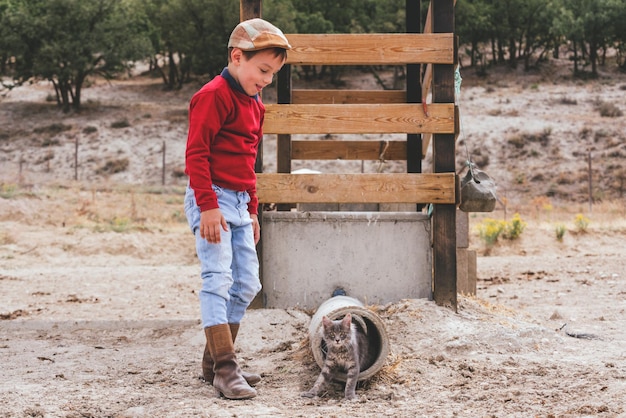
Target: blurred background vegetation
67, 41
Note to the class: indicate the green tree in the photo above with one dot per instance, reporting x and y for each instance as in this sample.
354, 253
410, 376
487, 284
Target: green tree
282, 13
65, 41
590, 27
189, 37
595, 20
474, 26
618, 26
537, 36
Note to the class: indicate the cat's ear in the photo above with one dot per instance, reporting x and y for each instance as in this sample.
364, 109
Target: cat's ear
347, 320
325, 321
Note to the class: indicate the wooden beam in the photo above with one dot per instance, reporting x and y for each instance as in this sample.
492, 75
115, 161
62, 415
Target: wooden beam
329, 96
348, 150
357, 118
370, 49
356, 188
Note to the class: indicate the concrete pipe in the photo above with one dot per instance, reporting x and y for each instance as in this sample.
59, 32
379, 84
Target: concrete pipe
336, 308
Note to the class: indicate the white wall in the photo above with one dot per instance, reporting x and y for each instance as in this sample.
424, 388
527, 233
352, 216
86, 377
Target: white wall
377, 257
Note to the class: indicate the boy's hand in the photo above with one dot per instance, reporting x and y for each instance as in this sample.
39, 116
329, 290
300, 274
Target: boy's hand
256, 228
210, 223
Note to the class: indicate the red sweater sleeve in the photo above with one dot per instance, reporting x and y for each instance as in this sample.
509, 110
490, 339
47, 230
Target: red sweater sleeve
206, 116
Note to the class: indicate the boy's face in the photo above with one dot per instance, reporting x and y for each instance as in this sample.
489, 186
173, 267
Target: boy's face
257, 72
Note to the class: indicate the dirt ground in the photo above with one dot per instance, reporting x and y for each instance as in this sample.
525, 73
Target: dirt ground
98, 280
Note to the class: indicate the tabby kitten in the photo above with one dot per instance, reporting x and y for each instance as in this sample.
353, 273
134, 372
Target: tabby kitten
347, 351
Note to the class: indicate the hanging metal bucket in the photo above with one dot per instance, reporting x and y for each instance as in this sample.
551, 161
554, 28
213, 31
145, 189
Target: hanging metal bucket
336, 308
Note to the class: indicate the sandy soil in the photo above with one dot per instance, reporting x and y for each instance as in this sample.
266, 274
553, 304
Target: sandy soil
99, 315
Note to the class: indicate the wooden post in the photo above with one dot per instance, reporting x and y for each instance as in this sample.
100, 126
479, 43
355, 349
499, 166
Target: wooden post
21, 166
283, 146
444, 216
590, 178
283, 152
249, 9
413, 90
76, 159
163, 165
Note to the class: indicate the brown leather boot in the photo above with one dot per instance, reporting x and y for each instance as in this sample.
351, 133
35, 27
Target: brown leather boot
227, 379
251, 378
207, 361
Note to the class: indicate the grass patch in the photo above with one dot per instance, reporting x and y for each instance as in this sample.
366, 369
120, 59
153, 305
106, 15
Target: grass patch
560, 230
519, 141
608, 110
89, 130
119, 124
50, 142
568, 101
6, 239
114, 166
52, 129
7, 191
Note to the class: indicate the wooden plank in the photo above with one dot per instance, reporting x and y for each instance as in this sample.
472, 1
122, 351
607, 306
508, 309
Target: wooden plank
348, 150
357, 118
328, 96
370, 49
356, 188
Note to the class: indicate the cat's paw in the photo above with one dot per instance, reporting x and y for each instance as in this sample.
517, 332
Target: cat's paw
351, 397
308, 394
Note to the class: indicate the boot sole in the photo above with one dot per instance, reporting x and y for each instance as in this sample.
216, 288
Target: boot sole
251, 380
221, 394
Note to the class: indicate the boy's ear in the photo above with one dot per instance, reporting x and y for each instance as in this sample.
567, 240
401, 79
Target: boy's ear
235, 55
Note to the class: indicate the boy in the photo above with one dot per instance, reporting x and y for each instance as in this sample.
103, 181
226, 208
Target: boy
225, 129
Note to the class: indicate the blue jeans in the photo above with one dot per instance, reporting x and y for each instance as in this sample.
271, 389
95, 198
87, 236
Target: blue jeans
230, 269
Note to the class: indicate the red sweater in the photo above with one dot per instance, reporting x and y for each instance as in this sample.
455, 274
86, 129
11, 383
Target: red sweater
225, 129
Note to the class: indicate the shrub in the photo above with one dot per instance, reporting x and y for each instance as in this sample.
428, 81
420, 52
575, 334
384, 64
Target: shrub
124, 123
518, 141
581, 222
50, 142
560, 230
514, 228
52, 129
609, 110
6, 239
120, 224
489, 230
113, 166
568, 101
8, 191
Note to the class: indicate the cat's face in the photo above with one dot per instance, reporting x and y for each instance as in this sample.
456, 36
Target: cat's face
337, 333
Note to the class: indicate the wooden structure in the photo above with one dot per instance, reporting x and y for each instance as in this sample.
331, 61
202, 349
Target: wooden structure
350, 112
